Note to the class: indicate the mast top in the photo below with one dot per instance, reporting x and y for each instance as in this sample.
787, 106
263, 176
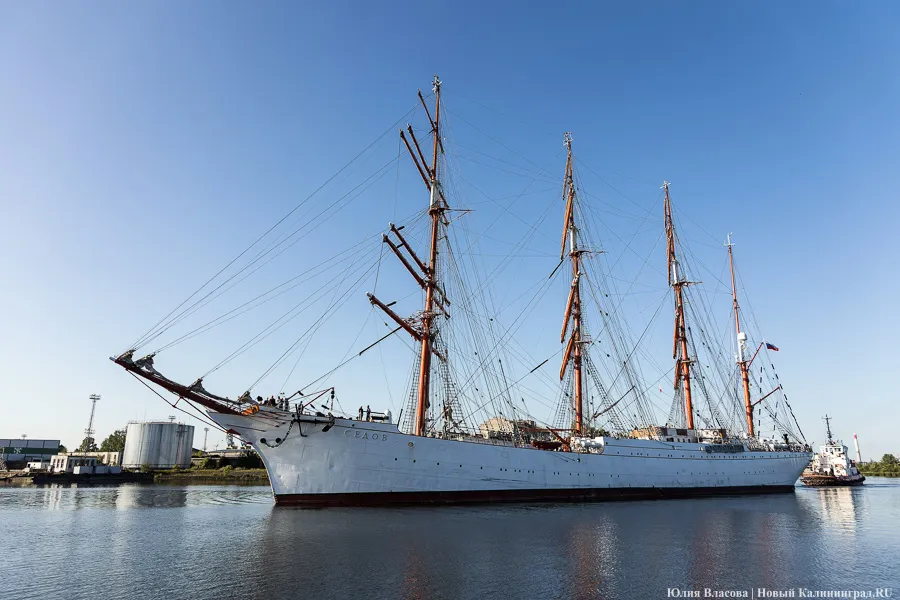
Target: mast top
435, 84
827, 420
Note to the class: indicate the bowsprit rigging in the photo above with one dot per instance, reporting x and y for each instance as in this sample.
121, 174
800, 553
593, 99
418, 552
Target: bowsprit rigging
468, 435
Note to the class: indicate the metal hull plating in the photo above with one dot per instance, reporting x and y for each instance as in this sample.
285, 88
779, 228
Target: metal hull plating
364, 463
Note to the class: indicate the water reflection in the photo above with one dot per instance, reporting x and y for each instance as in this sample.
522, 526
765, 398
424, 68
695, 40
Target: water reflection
414, 576
135, 496
592, 556
840, 507
53, 497
582, 551
67, 496
230, 542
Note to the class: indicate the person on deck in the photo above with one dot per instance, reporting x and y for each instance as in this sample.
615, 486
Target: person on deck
368, 413
360, 413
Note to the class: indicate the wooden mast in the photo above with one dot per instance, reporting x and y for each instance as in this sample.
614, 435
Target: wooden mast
435, 211
424, 273
680, 345
574, 347
741, 338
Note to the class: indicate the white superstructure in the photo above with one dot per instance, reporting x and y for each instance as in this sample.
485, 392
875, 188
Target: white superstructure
832, 459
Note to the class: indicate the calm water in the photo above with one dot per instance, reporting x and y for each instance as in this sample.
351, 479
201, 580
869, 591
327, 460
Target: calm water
206, 542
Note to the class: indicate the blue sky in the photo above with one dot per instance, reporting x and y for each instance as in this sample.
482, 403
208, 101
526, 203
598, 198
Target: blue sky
144, 146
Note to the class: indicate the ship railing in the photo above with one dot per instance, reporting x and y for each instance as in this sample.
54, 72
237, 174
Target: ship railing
476, 439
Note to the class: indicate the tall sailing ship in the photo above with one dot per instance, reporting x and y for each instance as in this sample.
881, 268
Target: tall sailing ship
603, 440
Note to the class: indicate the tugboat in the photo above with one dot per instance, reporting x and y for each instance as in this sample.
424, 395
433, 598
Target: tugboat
831, 466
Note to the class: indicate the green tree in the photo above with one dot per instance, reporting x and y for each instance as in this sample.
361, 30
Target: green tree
62, 450
889, 460
249, 460
88, 445
115, 442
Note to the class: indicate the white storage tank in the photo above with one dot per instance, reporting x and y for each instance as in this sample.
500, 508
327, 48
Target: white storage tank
158, 445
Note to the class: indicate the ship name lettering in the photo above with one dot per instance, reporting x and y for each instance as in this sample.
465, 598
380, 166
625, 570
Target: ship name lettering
365, 435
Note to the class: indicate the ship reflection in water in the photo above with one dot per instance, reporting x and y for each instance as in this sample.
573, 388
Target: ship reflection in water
229, 542
840, 506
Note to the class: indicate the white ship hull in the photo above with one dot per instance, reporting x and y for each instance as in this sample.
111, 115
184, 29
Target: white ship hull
354, 463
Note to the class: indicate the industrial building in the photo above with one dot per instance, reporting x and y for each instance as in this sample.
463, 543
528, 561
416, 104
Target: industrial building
110, 459
158, 445
82, 464
67, 463
16, 452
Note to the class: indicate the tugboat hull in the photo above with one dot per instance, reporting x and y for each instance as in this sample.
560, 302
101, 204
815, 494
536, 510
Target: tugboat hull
831, 480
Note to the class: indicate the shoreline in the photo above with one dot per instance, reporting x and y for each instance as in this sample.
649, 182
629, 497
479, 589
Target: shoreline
213, 476
223, 476
877, 474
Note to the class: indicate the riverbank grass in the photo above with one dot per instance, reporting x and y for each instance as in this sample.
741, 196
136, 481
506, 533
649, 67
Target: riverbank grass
226, 474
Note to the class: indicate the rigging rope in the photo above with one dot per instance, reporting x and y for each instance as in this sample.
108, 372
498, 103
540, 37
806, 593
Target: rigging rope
152, 333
